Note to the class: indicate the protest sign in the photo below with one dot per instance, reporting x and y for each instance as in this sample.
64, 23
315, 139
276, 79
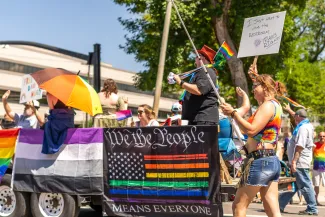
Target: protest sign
261, 35
29, 90
158, 171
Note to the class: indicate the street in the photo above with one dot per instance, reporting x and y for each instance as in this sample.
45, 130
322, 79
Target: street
254, 210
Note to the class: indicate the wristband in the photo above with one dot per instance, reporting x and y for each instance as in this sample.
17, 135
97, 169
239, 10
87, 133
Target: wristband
181, 83
233, 113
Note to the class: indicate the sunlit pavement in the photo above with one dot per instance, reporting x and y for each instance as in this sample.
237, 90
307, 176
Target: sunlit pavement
256, 210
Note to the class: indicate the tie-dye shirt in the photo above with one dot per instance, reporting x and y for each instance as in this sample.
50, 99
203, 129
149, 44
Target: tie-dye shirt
271, 131
319, 157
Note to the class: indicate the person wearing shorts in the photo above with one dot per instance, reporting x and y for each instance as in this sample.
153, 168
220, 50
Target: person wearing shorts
319, 164
261, 168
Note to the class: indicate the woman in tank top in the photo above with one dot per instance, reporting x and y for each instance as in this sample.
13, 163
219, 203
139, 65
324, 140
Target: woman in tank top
111, 103
261, 169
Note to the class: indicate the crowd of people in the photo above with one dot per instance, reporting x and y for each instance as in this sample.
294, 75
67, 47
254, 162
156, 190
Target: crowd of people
200, 106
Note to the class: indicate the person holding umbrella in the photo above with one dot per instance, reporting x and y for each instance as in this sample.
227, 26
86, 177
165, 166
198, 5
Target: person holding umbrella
60, 119
65, 90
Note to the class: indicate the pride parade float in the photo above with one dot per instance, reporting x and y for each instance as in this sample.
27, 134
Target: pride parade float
152, 171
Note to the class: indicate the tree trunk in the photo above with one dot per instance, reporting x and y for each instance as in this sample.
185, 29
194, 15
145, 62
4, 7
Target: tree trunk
236, 65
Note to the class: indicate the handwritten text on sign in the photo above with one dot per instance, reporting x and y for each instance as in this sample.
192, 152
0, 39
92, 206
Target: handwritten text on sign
262, 35
29, 90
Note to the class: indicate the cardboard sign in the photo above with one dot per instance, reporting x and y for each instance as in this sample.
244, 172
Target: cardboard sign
29, 90
162, 171
261, 35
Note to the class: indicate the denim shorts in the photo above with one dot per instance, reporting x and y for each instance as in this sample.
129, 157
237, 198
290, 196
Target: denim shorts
263, 171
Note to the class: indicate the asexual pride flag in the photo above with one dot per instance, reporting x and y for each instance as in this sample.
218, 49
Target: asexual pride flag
76, 169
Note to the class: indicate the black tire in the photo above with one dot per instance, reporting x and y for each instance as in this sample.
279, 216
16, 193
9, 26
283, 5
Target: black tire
22, 208
70, 207
97, 208
76, 214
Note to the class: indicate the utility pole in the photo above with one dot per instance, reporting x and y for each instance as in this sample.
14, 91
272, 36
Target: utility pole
162, 57
96, 63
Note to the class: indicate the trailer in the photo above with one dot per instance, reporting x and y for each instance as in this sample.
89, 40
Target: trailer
143, 172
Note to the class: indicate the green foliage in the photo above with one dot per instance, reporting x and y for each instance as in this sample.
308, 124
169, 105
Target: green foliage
299, 63
319, 129
306, 84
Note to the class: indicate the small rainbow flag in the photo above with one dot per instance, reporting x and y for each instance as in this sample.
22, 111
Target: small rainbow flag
226, 51
123, 114
8, 140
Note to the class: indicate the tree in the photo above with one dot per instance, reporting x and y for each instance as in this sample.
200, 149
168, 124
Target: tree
209, 22
304, 69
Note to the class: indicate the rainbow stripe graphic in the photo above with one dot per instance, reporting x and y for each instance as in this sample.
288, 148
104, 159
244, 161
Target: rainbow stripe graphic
159, 177
8, 140
319, 157
226, 51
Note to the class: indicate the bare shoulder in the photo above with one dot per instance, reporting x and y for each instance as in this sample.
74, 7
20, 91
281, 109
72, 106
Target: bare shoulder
267, 107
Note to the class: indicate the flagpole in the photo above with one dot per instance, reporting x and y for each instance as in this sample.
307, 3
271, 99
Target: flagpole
206, 71
219, 49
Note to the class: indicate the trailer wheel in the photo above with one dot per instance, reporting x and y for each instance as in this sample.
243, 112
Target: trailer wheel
12, 203
53, 205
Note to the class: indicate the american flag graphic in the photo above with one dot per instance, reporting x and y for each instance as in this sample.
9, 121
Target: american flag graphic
158, 178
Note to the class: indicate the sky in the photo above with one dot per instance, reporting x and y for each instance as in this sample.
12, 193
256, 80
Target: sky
74, 25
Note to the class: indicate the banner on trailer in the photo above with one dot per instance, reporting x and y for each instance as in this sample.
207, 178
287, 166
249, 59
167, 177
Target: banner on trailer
261, 35
77, 168
162, 171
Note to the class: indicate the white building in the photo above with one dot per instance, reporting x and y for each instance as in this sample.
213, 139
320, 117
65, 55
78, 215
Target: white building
20, 58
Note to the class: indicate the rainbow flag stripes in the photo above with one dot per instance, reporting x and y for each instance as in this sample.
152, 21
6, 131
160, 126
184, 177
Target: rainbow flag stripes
226, 51
8, 140
319, 157
159, 178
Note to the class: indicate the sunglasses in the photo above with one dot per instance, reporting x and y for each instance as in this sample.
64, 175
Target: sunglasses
255, 85
140, 112
321, 136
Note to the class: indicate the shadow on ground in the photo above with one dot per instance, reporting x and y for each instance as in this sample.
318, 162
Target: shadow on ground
88, 212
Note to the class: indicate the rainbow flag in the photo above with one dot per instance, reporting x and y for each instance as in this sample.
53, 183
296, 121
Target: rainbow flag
123, 114
226, 51
180, 177
8, 140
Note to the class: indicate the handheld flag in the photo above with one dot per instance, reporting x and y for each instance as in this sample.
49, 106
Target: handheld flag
124, 114
226, 51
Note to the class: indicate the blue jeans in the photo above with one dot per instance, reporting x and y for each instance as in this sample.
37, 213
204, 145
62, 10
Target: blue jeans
303, 183
263, 171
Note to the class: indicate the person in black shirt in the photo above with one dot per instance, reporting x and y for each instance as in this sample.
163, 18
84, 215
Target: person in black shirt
200, 105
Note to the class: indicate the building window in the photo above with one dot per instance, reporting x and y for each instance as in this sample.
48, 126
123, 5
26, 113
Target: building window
16, 67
